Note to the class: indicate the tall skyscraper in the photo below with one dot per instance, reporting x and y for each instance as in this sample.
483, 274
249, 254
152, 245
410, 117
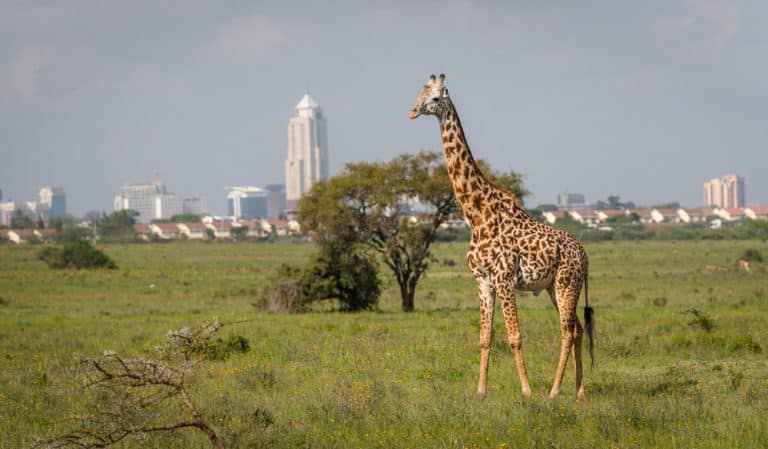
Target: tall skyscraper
307, 160
725, 192
54, 199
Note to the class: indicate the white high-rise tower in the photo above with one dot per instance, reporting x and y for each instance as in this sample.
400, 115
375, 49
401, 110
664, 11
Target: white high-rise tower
307, 160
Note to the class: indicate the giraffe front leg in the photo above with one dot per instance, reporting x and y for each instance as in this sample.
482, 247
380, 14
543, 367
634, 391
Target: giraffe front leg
509, 307
487, 297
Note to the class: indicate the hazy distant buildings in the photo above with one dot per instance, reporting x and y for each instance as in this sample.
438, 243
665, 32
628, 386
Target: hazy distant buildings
152, 201
247, 203
725, 192
7, 212
140, 198
52, 203
192, 205
307, 160
275, 200
54, 200
570, 201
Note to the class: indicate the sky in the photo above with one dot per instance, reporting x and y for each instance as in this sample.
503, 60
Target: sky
645, 100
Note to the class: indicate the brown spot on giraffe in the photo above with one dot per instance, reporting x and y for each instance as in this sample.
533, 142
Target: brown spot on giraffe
510, 251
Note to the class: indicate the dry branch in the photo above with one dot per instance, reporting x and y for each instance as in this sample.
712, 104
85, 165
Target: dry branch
134, 391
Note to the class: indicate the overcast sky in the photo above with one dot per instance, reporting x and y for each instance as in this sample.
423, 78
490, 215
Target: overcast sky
646, 100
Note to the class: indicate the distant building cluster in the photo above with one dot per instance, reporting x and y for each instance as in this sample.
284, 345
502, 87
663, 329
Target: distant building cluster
51, 203
725, 192
571, 201
153, 202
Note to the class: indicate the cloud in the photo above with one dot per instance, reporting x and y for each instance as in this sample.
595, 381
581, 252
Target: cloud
725, 15
256, 35
21, 80
717, 20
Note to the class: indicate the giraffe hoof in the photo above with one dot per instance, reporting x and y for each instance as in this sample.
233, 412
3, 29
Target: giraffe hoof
553, 394
481, 394
526, 392
580, 395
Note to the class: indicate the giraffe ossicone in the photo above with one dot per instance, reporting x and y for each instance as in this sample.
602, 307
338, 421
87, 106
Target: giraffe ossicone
509, 250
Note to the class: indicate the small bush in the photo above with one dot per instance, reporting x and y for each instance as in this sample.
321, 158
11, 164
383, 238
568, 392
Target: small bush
343, 271
220, 349
76, 254
700, 320
340, 271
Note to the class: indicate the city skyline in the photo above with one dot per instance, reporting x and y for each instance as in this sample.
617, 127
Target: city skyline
641, 100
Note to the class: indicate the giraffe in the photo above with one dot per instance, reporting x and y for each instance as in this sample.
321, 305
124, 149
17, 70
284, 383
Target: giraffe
510, 251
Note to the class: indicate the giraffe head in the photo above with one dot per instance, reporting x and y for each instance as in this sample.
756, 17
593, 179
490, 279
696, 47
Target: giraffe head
433, 99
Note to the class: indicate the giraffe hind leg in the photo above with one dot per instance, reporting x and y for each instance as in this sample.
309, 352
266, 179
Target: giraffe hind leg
578, 332
566, 303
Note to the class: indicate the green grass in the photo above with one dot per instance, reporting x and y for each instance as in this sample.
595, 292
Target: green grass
394, 380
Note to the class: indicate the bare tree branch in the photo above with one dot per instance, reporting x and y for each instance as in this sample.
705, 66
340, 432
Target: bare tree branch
134, 390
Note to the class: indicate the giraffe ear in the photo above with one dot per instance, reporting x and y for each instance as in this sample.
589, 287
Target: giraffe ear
445, 92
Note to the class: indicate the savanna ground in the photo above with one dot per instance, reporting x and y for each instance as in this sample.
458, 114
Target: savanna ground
394, 380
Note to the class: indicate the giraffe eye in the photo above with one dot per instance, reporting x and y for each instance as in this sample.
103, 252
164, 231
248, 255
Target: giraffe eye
434, 100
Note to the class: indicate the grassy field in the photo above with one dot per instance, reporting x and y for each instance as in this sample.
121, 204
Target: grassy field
393, 380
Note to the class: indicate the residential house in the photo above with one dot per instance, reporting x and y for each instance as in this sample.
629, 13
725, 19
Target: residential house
665, 215
142, 230
193, 231
165, 231
756, 212
221, 228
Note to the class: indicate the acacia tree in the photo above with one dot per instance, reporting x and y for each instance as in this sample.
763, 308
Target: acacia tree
394, 208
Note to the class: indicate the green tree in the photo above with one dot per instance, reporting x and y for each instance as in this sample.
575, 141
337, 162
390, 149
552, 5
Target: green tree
394, 208
21, 221
117, 226
186, 218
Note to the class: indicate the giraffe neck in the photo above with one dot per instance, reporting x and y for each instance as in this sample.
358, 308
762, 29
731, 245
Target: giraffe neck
469, 185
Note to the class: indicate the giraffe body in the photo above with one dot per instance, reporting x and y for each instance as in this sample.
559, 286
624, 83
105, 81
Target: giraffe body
509, 250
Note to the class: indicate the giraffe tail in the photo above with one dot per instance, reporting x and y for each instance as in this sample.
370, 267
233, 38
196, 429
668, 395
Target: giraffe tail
589, 321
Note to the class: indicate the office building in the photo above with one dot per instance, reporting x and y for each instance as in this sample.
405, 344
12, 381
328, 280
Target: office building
570, 201
247, 203
275, 200
54, 200
307, 159
152, 201
725, 192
